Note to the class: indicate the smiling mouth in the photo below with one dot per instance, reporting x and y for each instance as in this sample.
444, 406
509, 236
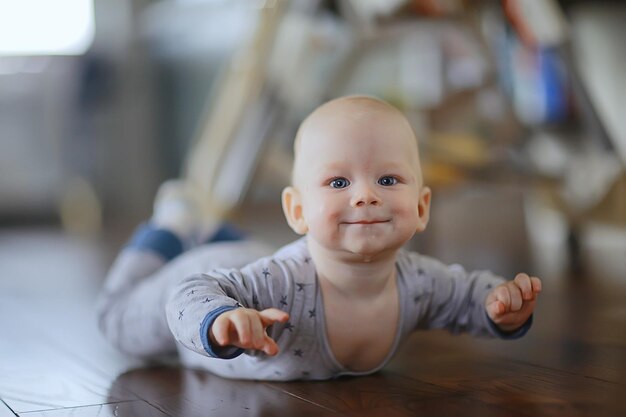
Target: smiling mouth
365, 222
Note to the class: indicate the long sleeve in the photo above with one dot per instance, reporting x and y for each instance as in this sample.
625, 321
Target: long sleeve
197, 300
448, 297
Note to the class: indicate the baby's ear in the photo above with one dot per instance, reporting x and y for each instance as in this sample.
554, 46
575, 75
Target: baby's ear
292, 207
423, 209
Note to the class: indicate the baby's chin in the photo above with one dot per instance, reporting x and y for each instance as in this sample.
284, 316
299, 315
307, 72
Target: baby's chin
357, 250
369, 251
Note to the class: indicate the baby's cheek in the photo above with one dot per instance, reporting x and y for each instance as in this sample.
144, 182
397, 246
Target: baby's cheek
407, 217
327, 213
324, 223
406, 212
332, 225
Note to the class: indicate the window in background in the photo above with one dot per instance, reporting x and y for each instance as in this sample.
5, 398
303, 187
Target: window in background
44, 27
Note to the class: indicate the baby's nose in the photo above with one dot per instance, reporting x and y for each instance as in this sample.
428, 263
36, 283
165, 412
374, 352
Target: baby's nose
365, 196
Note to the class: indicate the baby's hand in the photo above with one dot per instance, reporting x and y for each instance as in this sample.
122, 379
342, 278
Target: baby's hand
246, 328
509, 305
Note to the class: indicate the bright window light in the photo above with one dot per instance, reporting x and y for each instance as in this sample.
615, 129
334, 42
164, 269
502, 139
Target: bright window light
46, 27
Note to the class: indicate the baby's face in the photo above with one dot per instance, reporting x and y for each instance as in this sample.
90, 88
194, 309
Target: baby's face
360, 182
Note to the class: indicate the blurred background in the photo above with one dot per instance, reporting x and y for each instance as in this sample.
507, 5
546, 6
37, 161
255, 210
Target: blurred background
518, 106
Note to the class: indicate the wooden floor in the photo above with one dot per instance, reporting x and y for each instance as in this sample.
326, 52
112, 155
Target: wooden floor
572, 363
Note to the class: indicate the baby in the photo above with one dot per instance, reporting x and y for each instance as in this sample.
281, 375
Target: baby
338, 301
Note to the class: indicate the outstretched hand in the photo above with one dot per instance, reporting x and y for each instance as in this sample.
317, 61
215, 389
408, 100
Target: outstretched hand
509, 305
246, 329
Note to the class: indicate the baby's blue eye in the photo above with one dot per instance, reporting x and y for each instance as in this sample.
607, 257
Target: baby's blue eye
339, 183
387, 180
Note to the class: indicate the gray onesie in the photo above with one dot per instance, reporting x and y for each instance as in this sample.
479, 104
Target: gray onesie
432, 296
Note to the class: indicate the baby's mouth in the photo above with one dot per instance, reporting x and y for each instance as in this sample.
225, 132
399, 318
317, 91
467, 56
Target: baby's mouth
366, 222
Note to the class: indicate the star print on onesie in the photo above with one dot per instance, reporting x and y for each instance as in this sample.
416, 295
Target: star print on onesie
432, 295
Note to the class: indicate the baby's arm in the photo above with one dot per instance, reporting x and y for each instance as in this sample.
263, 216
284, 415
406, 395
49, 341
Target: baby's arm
232, 298
246, 329
510, 305
448, 297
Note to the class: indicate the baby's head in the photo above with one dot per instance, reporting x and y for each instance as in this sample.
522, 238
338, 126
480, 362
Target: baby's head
357, 182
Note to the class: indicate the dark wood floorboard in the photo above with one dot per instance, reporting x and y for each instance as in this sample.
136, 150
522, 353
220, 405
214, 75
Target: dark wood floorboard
386, 393
192, 393
127, 408
53, 362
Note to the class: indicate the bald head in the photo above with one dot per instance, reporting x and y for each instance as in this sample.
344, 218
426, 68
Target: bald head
355, 117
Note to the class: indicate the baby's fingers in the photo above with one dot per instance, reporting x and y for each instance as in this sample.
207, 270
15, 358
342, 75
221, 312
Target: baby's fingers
244, 329
233, 328
515, 296
505, 298
537, 286
497, 301
272, 315
525, 285
270, 347
529, 286
495, 309
221, 330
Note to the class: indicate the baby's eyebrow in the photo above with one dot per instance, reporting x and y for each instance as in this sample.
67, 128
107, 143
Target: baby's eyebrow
332, 166
340, 166
330, 170
395, 167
